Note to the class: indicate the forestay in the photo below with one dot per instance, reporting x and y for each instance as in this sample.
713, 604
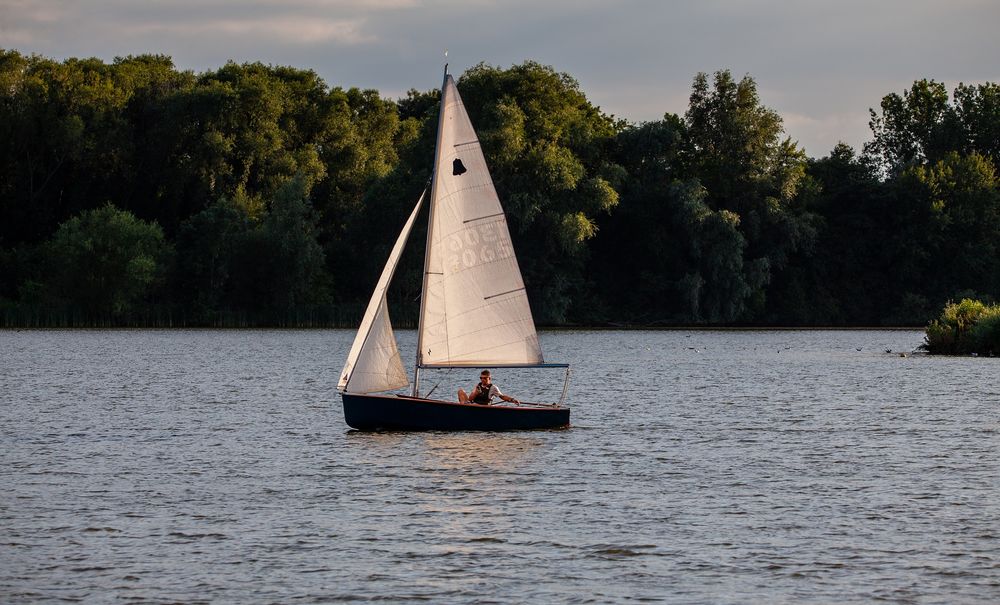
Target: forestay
474, 309
374, 363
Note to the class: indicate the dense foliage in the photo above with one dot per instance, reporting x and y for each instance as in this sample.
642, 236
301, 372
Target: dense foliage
968, 327
132, 193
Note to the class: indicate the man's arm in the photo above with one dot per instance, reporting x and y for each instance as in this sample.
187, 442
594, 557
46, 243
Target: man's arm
505, 397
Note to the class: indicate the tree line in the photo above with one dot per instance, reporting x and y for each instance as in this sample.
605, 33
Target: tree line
134, 193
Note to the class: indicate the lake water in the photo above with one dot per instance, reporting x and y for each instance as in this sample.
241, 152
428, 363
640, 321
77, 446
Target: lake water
701, 467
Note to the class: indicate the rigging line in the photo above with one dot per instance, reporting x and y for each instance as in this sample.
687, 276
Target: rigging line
431, 392
481, 218
503, 293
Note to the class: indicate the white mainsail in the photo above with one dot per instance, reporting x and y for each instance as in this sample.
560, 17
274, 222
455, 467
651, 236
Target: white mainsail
374, 363
474, 309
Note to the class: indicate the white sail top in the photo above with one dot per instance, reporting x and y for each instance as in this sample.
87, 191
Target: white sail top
474, 309
374, 363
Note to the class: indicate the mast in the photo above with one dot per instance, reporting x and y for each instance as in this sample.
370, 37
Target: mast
430, 236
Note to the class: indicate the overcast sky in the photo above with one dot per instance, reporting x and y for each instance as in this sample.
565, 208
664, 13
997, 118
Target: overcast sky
821, 64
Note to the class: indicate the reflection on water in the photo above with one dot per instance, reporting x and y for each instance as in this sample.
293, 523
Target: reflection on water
702, 467
495, 452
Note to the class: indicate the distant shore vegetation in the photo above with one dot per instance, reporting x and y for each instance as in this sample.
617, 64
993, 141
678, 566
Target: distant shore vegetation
136, 194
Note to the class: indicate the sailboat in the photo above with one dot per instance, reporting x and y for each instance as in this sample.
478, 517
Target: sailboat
474, 309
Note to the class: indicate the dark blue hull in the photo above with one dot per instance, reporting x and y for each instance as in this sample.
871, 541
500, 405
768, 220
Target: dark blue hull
401, 413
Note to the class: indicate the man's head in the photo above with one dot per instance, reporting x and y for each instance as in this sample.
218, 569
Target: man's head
484, 377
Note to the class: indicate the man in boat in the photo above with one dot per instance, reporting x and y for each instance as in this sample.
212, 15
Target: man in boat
484, 392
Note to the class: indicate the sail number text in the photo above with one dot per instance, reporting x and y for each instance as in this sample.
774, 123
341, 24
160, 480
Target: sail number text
475, 246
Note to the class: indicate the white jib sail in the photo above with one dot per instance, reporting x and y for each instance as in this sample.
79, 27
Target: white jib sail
475, 310
373, 363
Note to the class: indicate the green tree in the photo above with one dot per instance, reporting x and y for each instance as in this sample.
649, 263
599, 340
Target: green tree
378, 163
105, 262
846, 277
278, 273
978, 109
919, 126
75, 134
46, 106
922, 127
736, 151
208, 245
241, 131
640, 253
954, 208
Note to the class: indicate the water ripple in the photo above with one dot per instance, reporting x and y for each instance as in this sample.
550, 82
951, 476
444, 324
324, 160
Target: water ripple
702, 467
